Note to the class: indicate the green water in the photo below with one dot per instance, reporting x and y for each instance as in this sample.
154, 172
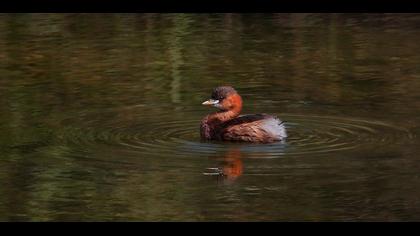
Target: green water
100, 117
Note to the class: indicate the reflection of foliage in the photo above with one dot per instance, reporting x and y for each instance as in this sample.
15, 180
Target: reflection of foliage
56, 66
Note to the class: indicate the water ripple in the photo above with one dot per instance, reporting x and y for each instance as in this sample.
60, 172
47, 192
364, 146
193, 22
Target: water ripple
307, 135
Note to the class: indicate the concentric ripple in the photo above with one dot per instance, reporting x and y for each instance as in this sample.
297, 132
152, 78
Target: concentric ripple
180, 137
320, 134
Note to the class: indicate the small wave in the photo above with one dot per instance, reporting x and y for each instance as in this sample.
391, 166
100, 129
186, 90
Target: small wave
307, 135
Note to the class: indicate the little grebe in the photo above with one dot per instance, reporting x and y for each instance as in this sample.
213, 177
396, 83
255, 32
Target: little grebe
226, 124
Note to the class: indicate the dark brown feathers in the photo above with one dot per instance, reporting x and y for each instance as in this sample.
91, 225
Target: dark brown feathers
260, 128
222, 92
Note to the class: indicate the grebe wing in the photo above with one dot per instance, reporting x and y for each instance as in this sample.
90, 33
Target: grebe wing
255, 128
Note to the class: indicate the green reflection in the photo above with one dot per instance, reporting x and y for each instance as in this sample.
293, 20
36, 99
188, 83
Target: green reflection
100, 112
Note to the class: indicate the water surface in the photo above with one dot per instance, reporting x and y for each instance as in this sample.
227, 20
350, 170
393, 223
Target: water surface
100, 115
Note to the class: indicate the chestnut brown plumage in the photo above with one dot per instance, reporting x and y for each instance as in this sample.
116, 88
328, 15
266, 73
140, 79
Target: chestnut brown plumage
227, 124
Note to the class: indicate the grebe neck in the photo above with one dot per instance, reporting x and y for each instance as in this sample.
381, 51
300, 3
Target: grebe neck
223, 116
211, 124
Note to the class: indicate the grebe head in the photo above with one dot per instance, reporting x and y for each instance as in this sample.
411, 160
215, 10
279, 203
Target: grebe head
225, 98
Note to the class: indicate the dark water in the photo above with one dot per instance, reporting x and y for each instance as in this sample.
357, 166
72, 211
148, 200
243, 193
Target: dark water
100, 113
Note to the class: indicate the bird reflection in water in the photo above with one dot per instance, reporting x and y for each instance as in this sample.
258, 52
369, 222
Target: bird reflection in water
231, 166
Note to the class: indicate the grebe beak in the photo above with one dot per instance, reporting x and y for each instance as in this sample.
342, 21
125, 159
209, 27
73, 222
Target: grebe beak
210, 102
